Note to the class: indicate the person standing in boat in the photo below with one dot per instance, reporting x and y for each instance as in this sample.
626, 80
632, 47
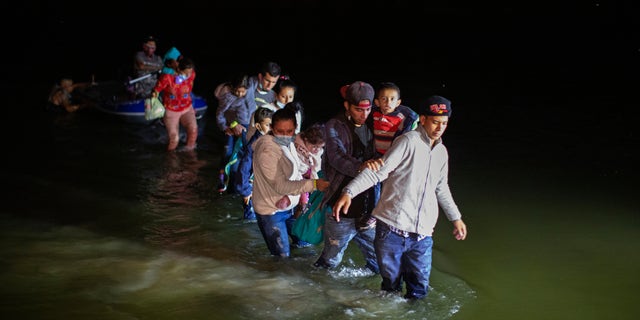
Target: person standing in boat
176, 96
146, 63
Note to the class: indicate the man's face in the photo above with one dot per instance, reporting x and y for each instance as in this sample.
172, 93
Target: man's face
434, 125
149, 48
357, 114
267, 81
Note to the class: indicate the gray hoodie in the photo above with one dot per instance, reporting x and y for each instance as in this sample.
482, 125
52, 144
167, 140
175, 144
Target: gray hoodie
415, 182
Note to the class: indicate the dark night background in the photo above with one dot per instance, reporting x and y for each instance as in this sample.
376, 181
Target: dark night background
539, 66
543, 140
482, 53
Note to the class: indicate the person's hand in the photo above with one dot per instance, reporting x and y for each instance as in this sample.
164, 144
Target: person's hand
341, 206
246, 200
459, 230
283, 203
238, 129
372, 164
322, 184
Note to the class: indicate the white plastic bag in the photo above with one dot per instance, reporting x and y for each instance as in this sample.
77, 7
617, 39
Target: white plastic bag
156, 109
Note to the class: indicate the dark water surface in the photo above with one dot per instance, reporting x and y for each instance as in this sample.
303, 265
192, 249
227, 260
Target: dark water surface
99, 221
102, 222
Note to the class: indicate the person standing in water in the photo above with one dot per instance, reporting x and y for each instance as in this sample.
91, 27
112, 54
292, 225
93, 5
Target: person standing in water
348, 148
415, 173
146, 63
176, 96
275, 175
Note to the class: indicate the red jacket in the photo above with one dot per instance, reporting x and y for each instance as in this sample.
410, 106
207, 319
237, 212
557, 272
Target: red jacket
176, 94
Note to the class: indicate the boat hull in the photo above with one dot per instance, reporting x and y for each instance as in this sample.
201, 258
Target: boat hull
133, 110
113, 99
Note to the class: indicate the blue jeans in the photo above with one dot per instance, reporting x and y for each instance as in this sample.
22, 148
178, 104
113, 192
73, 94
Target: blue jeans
403, 259
230, 145
274, 231
247, 211
232, 152
337, 236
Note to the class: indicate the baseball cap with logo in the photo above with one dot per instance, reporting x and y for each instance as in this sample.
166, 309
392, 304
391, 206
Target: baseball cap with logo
435, 106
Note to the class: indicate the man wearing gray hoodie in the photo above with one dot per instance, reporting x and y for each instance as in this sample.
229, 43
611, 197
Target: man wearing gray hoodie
415, 174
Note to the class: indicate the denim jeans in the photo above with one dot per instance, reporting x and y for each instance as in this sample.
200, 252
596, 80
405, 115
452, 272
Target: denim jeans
247, 211
232, 150
403, 259
275, 233
337, 236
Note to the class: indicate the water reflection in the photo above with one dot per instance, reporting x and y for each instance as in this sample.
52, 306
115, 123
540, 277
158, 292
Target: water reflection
121, 229
172, 197
70, 272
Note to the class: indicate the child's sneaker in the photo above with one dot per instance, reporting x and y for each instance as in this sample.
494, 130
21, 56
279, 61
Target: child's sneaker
302, 244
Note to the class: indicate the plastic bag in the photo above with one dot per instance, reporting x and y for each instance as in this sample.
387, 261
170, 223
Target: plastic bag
156, 109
